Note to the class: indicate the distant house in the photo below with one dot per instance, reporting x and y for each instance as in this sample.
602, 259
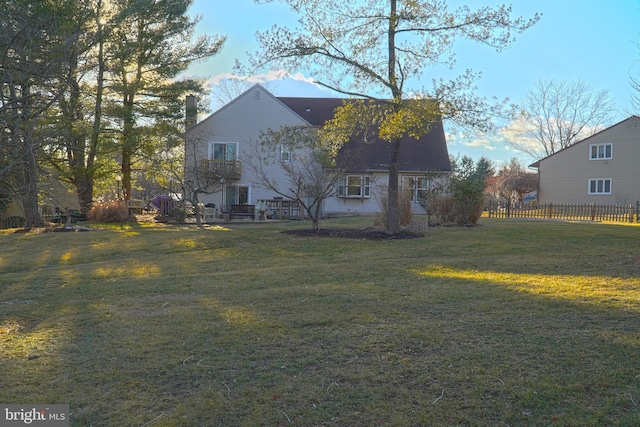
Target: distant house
603, 168
225, 137
54, 194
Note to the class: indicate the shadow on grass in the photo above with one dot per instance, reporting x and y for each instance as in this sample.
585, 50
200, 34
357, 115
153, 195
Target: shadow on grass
261, 329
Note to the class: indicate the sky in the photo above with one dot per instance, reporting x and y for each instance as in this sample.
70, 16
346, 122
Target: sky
595, 41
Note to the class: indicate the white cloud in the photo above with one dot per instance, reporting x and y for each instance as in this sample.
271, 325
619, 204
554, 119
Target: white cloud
301, 77
483, 142
278, 82
255, 78
515, 136
270, 76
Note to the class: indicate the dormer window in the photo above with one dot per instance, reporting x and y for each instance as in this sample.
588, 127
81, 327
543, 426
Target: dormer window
600, 151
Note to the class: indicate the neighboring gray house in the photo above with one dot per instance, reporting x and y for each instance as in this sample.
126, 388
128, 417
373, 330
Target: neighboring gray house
224, 139
603, 168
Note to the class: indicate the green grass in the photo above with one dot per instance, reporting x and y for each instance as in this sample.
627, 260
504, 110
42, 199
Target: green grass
508, 323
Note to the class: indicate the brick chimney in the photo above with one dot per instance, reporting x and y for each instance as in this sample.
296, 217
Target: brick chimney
191, 111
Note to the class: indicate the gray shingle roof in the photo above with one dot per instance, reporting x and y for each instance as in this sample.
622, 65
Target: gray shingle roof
427, 153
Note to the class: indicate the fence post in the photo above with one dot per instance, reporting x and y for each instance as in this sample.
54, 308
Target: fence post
638, 211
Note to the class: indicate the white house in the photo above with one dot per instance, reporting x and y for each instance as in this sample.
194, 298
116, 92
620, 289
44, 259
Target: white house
223, 140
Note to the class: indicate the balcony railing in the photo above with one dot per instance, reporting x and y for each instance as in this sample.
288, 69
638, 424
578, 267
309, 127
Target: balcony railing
217, 169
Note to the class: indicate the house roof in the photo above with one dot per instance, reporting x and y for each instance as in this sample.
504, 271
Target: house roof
537, 163
427, 153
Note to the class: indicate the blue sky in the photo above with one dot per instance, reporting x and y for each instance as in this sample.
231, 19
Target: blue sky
592, 40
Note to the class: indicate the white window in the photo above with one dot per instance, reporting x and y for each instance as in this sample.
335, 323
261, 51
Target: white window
223, 150
356, 186
285, 153
600, 151
417, 186
600, 186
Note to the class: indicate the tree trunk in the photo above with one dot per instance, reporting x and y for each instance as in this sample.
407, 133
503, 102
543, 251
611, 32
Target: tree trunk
393, 199
393, 208
84, 190
72, 110
126, 173
315, 220
27, 174
85, 185
29, 186
128, 145
196, 208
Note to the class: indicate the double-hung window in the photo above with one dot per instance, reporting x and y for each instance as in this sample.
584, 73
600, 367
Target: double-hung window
223, 150
600, 186
417, 187
355, 186
600, 151
285, 153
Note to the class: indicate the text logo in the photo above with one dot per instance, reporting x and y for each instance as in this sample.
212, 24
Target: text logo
34, 415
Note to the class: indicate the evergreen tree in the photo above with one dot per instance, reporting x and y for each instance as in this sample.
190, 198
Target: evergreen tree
34, 40
150, 46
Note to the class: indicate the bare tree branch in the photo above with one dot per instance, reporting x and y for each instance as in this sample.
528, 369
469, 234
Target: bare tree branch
373, 48
557, 114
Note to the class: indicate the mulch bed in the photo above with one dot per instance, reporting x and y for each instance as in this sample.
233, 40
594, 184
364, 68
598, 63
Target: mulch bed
53, 229
344, 233
353, 233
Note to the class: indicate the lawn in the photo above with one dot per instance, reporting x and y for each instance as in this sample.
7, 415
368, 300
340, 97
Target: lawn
507, 323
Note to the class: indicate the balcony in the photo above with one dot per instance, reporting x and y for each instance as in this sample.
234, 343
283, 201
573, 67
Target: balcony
218, 169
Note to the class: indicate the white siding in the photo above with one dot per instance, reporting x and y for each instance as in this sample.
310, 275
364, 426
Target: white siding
370, 205
365, 205
241, 121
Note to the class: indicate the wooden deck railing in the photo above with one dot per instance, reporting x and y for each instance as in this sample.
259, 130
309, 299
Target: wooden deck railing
216, 169
281, 209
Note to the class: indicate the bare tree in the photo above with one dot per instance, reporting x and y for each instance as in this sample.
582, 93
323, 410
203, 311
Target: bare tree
228, 87
309, 161
557, 114
375, 49
635, 96
189, 171
512, 182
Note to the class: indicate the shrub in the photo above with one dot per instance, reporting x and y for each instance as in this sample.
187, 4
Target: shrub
468, 197
462, 204
109, 212
440, 208
461, 200
404, 204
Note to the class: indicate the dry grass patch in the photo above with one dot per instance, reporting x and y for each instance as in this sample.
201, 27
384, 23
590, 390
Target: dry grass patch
507, 323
